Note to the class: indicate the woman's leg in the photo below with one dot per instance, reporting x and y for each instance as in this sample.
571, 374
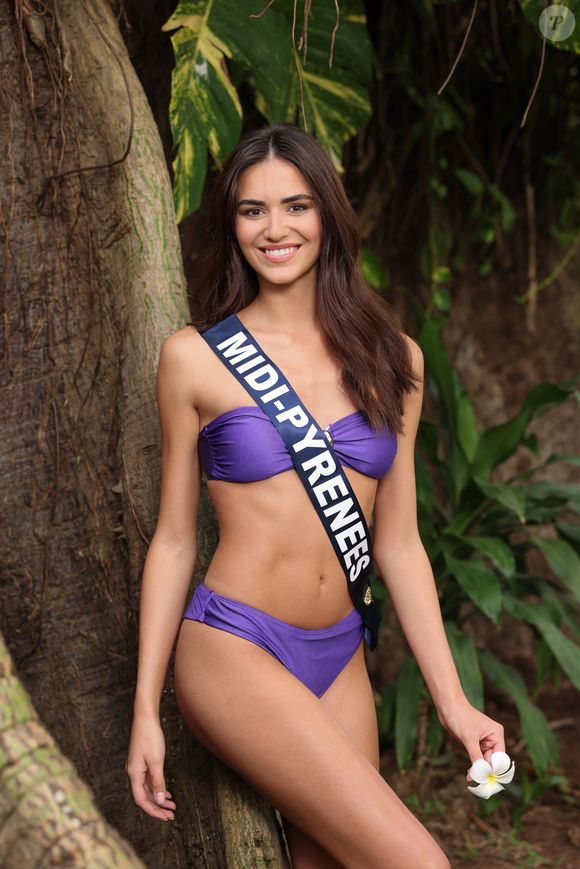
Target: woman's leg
250, 711
350, 700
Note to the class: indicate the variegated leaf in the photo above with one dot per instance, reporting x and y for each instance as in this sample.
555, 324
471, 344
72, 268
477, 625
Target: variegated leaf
205, 111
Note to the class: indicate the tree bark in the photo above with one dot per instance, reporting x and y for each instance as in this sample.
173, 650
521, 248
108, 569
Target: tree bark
39, 782
92, 283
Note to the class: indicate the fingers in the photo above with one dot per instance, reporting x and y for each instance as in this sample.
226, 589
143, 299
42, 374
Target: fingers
486, 745
499, 742
473, 748
156, 784
145, 793
493, 741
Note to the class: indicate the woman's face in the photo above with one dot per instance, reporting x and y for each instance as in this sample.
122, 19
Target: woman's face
277, 225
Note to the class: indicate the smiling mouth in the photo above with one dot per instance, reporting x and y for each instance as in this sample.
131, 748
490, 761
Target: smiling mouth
280, 254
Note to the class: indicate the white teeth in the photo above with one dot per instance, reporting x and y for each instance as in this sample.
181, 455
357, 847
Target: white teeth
284, 251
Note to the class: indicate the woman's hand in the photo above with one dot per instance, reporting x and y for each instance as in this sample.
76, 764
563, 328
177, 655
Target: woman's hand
480, 734
144, 767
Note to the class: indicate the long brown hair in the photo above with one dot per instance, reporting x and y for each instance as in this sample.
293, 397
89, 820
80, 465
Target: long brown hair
361, 329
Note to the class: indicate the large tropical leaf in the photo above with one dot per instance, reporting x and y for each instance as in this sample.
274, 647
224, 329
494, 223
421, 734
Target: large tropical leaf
205, 111
336, 99
216, 34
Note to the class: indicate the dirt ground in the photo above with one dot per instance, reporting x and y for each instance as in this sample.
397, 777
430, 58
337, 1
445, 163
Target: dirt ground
550, 829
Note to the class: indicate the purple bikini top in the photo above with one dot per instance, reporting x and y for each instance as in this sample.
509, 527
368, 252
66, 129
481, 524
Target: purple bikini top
243, 445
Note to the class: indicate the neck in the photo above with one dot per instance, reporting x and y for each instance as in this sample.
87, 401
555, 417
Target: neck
289, 308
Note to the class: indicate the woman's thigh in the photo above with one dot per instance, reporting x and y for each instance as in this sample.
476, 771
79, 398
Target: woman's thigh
246, 707
350, 700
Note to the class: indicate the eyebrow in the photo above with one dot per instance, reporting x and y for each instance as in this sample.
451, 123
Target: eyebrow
283, 201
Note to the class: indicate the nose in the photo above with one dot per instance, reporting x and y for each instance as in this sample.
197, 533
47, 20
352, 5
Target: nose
276, 228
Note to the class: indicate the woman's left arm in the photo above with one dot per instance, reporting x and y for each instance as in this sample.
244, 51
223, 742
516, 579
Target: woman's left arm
403, 564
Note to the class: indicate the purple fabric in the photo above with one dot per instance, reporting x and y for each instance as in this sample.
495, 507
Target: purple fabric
243, 445
314, 655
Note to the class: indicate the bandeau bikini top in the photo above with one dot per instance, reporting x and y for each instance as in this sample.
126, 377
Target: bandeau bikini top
243, 445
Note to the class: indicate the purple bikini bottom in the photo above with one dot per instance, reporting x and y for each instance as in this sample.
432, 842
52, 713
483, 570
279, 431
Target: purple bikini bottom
314, 655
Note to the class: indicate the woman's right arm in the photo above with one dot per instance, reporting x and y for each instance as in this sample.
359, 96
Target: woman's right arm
168, 567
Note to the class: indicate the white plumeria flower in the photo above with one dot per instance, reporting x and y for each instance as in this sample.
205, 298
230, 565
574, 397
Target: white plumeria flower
491, 778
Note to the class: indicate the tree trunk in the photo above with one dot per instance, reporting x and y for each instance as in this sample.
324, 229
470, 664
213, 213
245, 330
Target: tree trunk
92, 283
38, 781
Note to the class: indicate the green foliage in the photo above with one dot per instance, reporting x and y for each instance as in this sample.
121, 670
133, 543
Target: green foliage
217, 43
479, 535
409, 686
533, 9
472, 194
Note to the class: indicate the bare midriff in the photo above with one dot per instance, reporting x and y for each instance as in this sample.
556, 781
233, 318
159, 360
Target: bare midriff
273, 552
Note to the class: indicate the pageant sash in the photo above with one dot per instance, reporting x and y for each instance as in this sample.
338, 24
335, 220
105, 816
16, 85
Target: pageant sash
312, 455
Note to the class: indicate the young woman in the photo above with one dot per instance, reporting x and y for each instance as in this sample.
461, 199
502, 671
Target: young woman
269, 668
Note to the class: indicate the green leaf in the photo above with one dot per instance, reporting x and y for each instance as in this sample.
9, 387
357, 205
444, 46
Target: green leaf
570, 531
479, 583
441, 275
471, 181
466, 426
563, 457
541, 742
497, 550
456, 414
568, 493
374, 273
508, 496
442, 299
428, 440
465, 657
565, 651
438, 366
336, 99
564, 611
424, 483
204, 110
498, 443
540, 739
544, 662
508, 214
563, 560
386, 710
409, 685
553, 26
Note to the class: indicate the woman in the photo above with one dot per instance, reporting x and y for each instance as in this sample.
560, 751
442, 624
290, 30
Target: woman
282, 253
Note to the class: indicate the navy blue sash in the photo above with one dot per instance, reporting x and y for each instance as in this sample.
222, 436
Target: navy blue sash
312, 455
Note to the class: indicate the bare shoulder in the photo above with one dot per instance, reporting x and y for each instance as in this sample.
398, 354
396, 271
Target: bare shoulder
183, 361
416, 354
182, 343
